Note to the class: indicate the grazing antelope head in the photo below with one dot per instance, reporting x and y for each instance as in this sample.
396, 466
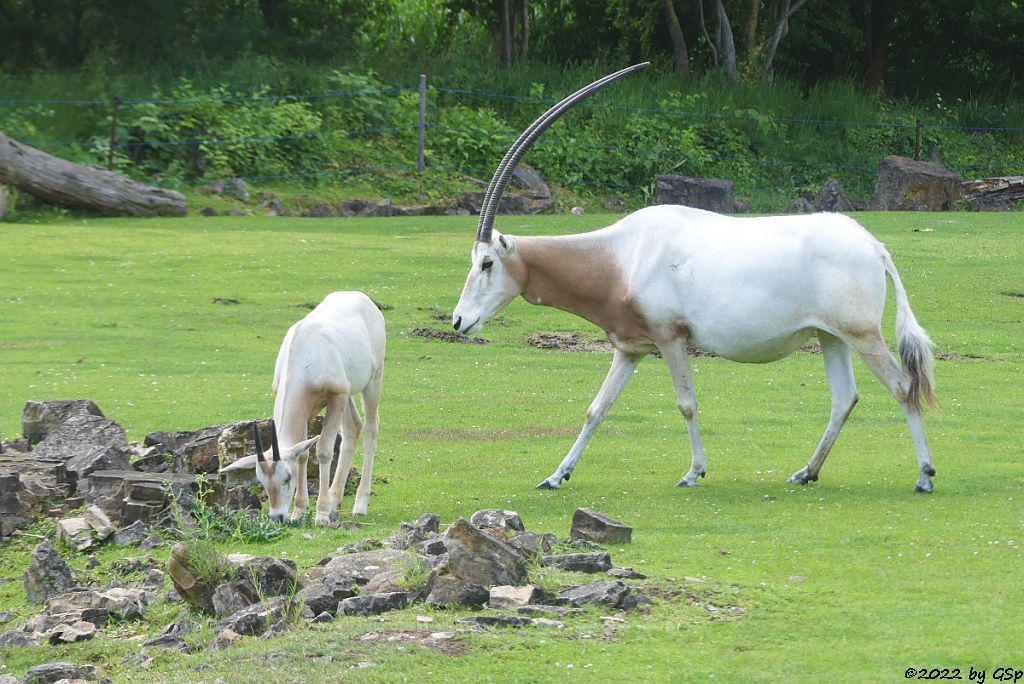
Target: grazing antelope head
495, 278
277, 474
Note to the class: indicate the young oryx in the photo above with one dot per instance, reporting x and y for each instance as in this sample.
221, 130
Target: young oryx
333, 353
748, 289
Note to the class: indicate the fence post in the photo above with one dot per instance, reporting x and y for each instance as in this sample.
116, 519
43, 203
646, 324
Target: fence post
423, 122
113, 133
917, 140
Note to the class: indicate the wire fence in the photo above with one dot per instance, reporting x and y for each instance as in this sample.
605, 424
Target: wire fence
861, 169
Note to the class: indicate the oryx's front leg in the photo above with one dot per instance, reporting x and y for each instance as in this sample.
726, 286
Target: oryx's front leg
371, 401
678, 361
326, 502
299, 470
618, 375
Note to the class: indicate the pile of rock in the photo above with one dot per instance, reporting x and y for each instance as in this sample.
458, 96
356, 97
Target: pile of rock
475, 563
73, 456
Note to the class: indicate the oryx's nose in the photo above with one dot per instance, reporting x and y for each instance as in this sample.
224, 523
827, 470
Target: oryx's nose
277, 517
458, 323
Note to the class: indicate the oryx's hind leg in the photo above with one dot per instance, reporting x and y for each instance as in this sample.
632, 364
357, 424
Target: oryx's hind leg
839, 370
325, 501
678, 361
350, 428
618, 375
371, 401
879, 359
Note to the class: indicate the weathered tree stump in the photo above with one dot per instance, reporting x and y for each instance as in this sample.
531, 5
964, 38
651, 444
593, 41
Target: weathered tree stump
994, 194
59, 181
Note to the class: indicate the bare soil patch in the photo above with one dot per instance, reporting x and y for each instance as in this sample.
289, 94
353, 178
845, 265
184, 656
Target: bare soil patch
1014, 295
958, 357
447, 336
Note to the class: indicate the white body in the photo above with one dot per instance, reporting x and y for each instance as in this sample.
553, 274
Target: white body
747, 289
334, 353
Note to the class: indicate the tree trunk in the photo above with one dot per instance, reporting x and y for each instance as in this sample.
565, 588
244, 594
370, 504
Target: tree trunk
524, 35
506, 33
751, 30
703, 27
678, 40
876, 36
75, 185
780, 29
728, 46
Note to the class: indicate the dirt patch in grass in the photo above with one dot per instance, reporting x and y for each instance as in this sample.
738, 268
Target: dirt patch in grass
446, 336
1014, 295
574, 342
231, 301
445, 643
944, 356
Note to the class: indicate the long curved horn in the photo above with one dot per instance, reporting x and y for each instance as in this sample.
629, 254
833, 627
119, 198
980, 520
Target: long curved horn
273, 442
503, 174
259, 447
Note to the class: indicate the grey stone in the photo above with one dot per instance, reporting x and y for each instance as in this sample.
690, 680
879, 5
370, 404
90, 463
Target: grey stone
411, 534
256, 619
72, 633
40, 418
99, 522
236, 188
712, 194
17, 639
800, 205
49, 673
188, 452
131, 534
486, 621
172, 637
76, 533
497, 519
373, 604
232, 597
625, 573
635, 600
194, 589
47, 574
479, 558
452, 591
597, 527
225, 638
906, 184
580, 562
363, 566
608, 593
319, 599
268, 576
832, 198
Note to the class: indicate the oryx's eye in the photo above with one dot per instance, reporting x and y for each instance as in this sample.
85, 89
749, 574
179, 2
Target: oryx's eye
486, 264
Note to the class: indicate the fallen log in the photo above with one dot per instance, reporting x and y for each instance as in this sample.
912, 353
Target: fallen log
59, 181
993, 194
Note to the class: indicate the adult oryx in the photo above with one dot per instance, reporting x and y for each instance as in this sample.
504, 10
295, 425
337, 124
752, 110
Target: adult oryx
747, 289
334, 353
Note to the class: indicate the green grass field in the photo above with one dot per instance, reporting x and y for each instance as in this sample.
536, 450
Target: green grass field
174, 324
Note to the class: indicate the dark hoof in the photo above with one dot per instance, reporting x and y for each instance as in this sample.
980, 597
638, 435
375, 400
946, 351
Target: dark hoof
924, 489
685, 483
929, 471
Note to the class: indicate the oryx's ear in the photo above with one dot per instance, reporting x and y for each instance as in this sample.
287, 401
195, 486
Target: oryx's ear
240, 464
506, 246
297, 450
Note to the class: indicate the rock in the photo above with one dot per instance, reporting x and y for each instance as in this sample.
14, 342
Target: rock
800, 205
17, 639
99, 522
635, 600
76, 533
47, 574
599, 593
194, 589
486, 621
231, 597
411, 534
452, 591
243, 499
1001, 193
580, 562
185, 452
363, 566
625, 573
832, 198
319, 599
172, 637
268, 576
225, 639
40, 418
906, 184
131, 534
597, 527
72, 633
712, 194
209, 211
509, 598
496, 519
614, 204
526, 177
256, 619
236, 188
93, 605
49, 673
478, 558
373, 604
